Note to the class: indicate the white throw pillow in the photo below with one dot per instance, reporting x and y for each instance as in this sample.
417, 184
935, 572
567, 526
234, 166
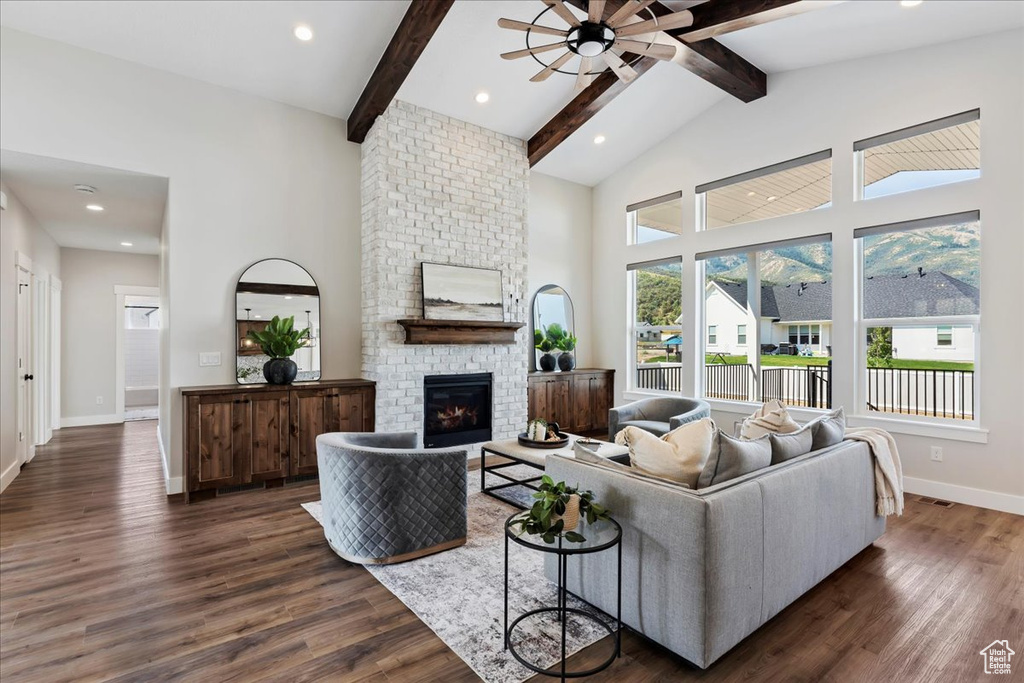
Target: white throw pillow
771, 418
680, 455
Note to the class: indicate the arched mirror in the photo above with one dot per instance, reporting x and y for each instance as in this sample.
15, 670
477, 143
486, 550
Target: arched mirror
551, 306
268, 288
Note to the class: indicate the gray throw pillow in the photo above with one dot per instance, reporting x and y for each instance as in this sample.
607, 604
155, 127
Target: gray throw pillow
829, 429
788, 446
731, 458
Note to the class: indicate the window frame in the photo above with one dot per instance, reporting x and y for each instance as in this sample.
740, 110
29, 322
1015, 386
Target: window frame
863, 323
712, 335
741, 334
631, 322
905, 133
700, 191
632, 225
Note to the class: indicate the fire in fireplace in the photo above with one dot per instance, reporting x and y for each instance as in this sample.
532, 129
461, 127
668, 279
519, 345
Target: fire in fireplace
456, 409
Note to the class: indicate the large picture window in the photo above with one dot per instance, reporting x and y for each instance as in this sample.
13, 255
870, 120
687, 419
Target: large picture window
782, 189
943, 151
920, 312
656, 293
778, 299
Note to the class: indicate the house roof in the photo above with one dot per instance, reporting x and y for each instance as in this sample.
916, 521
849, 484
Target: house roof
885, 296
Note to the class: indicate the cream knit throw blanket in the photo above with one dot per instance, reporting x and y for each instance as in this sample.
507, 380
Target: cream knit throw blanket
888, 471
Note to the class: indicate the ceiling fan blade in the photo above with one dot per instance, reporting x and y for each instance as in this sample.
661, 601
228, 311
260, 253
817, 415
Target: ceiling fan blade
532, 51
657, 50
627, 10
523, 26
583, 79
563, 11
595, 11
624, 71
669, 21
543, 74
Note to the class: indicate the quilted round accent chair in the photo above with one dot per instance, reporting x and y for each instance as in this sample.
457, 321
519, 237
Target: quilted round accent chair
658, 415
385, 500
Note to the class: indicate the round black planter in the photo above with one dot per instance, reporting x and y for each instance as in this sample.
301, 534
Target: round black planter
566, 362
547, 363
280, 370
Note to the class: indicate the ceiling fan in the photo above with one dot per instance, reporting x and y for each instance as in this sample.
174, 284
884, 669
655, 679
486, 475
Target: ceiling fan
597, 38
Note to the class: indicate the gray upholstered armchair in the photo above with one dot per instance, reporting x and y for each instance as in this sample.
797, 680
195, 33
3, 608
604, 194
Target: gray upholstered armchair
656, 415
385, 500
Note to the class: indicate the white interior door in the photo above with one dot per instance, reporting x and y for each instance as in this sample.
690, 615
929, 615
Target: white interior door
25, 449
41, 432
55, 352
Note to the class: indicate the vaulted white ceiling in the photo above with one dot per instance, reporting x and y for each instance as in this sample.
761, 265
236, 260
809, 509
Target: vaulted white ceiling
249, 46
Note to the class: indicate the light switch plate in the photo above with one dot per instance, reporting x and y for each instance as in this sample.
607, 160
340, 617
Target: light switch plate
209, 358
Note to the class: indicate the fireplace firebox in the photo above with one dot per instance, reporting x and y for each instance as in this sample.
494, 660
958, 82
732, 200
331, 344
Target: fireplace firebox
456, 409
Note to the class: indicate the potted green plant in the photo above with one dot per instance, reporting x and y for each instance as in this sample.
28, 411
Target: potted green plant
557, 511
545, 346
280, 340
566, 344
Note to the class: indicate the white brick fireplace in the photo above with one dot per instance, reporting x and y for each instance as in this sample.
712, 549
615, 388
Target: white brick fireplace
440, 190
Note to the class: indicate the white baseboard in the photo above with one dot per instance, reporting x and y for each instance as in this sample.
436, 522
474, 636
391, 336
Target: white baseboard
87, 420
173, 485
993, 500
8, 475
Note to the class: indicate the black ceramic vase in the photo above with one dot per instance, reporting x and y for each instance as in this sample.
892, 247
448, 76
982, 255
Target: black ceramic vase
566, 362
280, 371
547, 363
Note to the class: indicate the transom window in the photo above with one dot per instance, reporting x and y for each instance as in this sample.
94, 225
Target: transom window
782, 189
655, 219
943, 151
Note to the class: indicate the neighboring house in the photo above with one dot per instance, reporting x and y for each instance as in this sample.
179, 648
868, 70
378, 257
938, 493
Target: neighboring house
646, 332
800, 314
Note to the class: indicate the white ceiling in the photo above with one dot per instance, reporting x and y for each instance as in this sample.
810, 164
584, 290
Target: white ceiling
133, 203
248, 46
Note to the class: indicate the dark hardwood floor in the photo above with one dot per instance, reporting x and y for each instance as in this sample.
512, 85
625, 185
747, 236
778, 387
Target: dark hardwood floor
101, 578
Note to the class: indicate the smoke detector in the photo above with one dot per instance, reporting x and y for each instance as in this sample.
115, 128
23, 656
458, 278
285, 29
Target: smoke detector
85, 189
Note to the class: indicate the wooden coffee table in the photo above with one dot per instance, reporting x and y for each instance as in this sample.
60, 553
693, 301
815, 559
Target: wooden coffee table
513, 454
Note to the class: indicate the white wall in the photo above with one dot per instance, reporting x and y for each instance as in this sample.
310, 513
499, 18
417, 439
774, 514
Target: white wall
920, 342
89, 322
723, 312
19, 232
831, 107
249, 179
560, 221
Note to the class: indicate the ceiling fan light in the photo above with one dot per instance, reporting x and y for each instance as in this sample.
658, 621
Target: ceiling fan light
590, 48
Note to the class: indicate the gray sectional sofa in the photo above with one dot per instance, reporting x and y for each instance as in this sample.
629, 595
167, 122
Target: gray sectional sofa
702, 569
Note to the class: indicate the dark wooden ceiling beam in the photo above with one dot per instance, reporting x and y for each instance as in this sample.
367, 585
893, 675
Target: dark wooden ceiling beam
418, 26
583, 107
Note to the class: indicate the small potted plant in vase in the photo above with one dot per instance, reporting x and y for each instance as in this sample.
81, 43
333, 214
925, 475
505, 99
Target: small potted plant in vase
545, 346
557, 511
566, 359
280, 340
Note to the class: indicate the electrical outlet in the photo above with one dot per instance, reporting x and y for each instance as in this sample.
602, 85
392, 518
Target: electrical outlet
937, 453
99, 400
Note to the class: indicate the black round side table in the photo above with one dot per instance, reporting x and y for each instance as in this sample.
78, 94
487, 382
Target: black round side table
601, 535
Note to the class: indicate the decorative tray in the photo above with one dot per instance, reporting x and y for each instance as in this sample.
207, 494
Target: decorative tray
548, 445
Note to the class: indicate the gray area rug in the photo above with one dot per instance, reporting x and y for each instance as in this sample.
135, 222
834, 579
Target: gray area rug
459, 595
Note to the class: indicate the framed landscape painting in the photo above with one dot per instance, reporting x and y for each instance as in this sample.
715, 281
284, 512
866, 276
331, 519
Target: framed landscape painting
461, 293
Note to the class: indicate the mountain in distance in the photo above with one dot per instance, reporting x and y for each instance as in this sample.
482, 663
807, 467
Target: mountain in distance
954, 250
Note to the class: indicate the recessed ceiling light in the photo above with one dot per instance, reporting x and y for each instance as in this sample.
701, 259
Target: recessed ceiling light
910, 3
287, 297
126, 244
599, 140
750, 194
256, 315
772, 198
304, 33
94, 207
482, 97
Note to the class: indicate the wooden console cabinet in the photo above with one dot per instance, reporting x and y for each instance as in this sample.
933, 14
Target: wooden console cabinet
239, 434
577, 400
